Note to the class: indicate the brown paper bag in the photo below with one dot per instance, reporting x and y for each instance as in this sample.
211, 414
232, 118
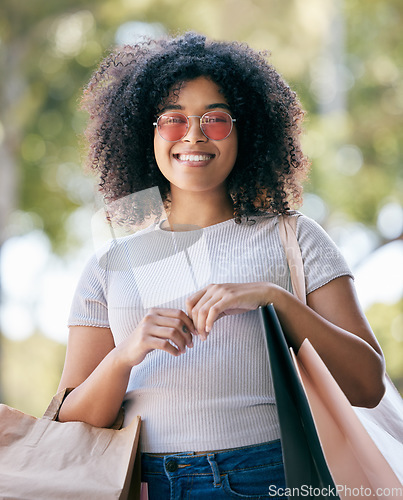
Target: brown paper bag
358, 467
41, 458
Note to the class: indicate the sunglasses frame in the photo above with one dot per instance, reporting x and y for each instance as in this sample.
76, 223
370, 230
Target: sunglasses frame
188, 124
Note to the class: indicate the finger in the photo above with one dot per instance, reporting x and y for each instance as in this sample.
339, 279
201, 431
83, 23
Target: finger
180, 326
208, 313
171, 334
173, 313
164, 345
169, 327
215, 311
201, 312
196, 304
187, 322
185, 330
192, 300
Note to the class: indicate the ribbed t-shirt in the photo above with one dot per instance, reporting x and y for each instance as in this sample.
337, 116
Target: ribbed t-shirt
219, 394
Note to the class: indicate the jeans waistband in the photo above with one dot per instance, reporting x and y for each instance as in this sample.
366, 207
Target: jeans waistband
226, 450
230, 459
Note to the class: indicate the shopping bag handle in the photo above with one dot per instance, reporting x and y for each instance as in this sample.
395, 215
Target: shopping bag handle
52, 411
287, 225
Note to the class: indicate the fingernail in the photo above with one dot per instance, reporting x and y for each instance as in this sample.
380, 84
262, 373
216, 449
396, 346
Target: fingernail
191, 344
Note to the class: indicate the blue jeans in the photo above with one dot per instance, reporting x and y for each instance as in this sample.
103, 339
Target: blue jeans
250, 472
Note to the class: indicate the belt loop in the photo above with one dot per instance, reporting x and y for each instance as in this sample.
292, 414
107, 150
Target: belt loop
214, 468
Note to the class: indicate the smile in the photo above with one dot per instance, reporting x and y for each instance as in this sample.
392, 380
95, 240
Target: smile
194, 158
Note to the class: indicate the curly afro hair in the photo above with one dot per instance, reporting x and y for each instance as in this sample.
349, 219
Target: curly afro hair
126, 92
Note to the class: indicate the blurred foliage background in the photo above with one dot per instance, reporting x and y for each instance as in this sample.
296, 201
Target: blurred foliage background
343, 59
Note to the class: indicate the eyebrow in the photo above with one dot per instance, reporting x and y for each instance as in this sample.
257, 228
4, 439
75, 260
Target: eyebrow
214, 105
218, 105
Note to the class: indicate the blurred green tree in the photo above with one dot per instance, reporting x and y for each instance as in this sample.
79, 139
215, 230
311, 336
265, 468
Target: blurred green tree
31, 372
387, 323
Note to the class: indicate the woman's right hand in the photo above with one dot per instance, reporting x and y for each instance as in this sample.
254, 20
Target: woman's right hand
100, 372
169, 330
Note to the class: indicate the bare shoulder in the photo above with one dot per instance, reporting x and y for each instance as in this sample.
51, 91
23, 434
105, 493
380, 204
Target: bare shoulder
87, 347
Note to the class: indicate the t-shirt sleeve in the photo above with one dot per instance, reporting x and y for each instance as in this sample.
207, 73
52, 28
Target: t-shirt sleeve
323, 261
89, 306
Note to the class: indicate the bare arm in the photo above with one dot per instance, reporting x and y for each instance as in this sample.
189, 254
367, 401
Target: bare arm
99, 372
337, 328
99, 380
332, 321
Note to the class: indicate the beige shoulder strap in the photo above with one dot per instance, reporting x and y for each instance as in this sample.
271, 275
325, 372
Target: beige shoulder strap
288, 234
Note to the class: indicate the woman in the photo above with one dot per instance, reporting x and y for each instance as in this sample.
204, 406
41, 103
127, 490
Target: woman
165, 321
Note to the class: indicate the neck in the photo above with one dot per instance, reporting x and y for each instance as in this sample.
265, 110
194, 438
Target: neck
199, 209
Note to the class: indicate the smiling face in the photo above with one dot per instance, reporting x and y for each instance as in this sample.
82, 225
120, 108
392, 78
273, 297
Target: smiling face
196, 163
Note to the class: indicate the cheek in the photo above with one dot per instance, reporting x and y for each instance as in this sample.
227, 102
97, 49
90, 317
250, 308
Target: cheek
231, 152
161, 152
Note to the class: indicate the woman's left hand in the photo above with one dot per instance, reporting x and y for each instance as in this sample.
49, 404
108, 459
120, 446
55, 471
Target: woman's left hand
217, 300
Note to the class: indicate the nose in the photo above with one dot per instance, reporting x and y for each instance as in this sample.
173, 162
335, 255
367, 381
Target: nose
194, 133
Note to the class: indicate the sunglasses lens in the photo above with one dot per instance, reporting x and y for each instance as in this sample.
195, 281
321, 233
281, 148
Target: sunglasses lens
216, 125
172, 126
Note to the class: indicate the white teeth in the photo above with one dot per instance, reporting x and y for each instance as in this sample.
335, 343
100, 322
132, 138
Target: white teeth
194, 157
